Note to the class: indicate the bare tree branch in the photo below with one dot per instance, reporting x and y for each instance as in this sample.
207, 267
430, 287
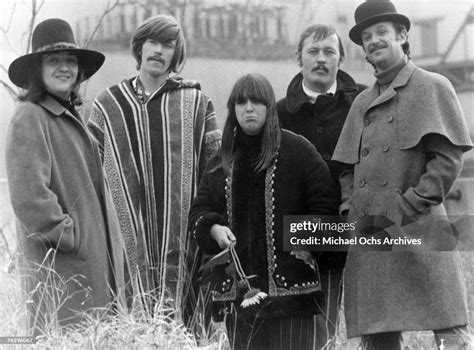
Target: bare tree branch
13, 94
2, 28
35, 8
12, 91
9, 252
107, 10
7, 29
31, 25
40, 6
2, 67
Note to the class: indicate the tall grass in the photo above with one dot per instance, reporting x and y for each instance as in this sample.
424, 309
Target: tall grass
100, 328
112, 328
152, 327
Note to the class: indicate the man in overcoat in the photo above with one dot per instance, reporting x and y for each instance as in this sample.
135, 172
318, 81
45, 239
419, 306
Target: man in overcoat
316, 106
405, 135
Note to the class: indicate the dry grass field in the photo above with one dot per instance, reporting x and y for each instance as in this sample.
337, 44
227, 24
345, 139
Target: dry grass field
141, 331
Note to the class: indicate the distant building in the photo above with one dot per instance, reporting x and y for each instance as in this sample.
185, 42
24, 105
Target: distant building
445, 44
224, 28
269, 29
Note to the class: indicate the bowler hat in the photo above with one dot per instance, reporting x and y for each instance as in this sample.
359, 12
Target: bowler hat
375, 11
49, 36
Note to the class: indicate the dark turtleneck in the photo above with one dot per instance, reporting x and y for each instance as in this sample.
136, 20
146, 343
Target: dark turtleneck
248, 203
248, 143
385, 77
65, 103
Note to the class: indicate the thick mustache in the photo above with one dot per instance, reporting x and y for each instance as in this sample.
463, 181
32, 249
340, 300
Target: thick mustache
374, 47
324, 68
156, 58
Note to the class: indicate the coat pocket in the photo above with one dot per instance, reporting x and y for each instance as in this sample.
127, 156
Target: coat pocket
405, 206
432, 227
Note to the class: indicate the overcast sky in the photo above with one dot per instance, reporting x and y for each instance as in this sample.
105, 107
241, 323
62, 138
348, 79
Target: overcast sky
71, 10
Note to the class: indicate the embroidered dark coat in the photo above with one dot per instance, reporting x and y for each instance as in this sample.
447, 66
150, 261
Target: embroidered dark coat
253, 205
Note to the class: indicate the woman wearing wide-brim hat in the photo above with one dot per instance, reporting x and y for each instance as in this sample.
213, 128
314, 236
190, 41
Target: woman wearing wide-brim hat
67, 228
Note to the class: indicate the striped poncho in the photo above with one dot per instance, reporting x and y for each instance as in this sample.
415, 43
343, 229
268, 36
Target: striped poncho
153, 152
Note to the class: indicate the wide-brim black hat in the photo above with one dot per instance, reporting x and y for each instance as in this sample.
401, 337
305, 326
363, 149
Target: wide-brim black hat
375, 11
49, 36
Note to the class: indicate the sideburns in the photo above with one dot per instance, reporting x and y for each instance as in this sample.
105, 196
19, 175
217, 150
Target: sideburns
139, 60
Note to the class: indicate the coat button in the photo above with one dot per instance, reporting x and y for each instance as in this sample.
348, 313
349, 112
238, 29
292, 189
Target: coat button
319, 129
390, 119
326, 156
384, 182
366, 122
385, 148
365, 152
361, 214
361, 183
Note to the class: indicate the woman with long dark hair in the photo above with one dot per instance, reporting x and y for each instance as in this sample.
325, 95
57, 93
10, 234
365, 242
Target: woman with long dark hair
261, 174
71, 255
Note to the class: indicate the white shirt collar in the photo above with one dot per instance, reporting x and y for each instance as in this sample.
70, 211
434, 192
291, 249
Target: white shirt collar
314, 95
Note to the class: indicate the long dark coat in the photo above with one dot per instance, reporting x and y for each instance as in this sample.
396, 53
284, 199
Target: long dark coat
253, 205
60, 199
321, 123
407, 145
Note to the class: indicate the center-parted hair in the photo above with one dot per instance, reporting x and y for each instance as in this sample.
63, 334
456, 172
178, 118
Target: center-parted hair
255, 87
319, 32
36, 90
164, 29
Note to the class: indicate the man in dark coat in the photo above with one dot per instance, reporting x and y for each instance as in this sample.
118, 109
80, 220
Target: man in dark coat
316, 106
405, 135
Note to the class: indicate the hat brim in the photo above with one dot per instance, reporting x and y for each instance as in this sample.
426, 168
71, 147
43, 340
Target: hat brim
22, 68
356, 32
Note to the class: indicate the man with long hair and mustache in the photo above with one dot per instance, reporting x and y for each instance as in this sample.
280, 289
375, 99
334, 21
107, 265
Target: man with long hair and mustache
156, 132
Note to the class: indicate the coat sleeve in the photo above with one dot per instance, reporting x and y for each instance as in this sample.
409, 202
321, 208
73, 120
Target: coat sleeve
207, 211
442, 169
346, 179
95, 125
211, 141
321, 199
29, 164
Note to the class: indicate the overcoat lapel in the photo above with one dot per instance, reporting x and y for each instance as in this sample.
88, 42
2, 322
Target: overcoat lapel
374, 99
